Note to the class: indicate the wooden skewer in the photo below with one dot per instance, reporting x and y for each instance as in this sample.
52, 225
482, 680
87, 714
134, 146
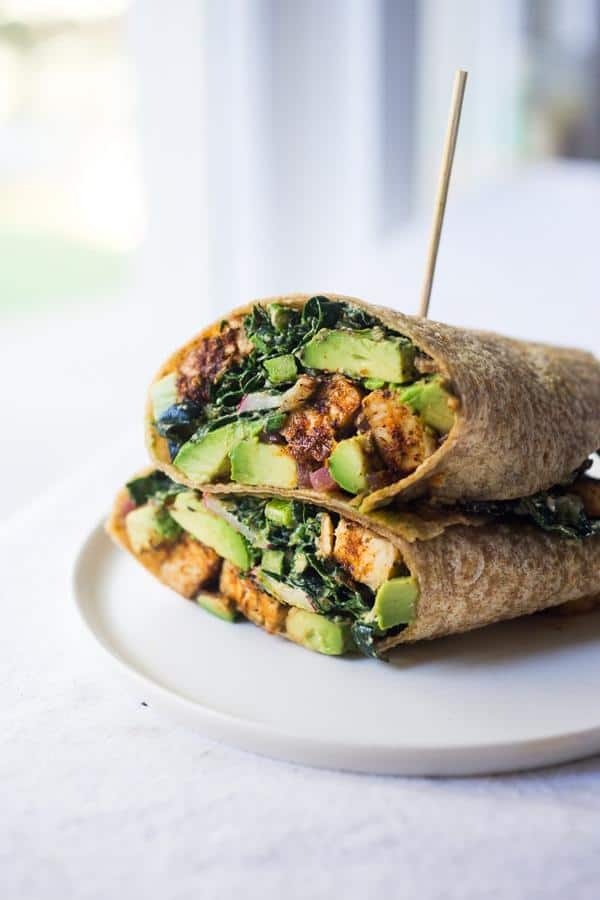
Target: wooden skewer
458, 92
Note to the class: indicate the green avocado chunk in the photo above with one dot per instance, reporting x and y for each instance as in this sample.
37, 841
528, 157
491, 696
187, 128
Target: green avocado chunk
285, 593
280, 512
263, 464
272, 561
281, 368
349, 465
189, 511
361, 354
150, 526
318, 633
208, 458
218, 605
395, 602
163, 394
430, 400
279, 315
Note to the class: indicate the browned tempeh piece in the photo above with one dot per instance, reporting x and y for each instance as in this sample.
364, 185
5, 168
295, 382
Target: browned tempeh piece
189, 566
253, 603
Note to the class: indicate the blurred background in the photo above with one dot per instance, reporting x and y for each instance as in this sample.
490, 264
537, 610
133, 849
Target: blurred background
160, 163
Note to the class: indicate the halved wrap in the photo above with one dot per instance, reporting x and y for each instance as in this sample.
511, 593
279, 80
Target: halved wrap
337, 583
349, 405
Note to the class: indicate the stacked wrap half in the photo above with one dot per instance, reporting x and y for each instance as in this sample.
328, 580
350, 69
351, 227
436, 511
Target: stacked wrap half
428, 479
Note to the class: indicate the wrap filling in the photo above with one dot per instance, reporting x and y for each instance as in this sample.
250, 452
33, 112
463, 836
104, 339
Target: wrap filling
323, 397
309, 574
316, 577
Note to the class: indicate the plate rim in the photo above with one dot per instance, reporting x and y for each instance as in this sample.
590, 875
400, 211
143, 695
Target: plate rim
422, 759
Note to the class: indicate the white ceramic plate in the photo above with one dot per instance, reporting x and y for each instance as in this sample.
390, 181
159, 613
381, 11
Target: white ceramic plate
518, 695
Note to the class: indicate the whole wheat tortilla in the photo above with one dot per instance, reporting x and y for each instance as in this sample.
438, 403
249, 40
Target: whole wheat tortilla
529, 414
469, 575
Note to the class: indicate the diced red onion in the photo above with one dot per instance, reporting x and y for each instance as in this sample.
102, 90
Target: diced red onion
258, 401
321, 480
304, 474
127, 506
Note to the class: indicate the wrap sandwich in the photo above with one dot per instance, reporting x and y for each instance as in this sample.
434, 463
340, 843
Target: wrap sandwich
336, 402
339, 581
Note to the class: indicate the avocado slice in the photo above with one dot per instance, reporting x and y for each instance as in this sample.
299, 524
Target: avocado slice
263, 464
349, 465
189, 511
208, 458
150, 526
285, 593
272, 561
299, 563
361, 354
281, 368
395, 602
318, 633
280, 315
280, 512
218, 606
430, 399
163, 394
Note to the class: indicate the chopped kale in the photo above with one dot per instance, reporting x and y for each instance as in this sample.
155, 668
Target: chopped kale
563, 514
326, 583
168, 527
277, 329
324, 580
250, 512
365, 634
179, 422
154, 485
555, 510
357, 319
244, 378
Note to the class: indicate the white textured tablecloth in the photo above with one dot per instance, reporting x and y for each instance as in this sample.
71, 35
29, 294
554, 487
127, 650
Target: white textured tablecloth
100, 797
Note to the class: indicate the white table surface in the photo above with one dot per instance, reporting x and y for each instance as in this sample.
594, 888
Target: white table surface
99, 796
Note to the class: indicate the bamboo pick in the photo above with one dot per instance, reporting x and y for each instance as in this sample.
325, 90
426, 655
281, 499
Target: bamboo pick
458, 92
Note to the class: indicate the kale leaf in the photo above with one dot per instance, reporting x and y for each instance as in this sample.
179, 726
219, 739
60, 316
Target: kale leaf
278, 329
555, 511
250, 511
325, 581
364, 635
179, 422
563, 514
167, 526
151, 486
